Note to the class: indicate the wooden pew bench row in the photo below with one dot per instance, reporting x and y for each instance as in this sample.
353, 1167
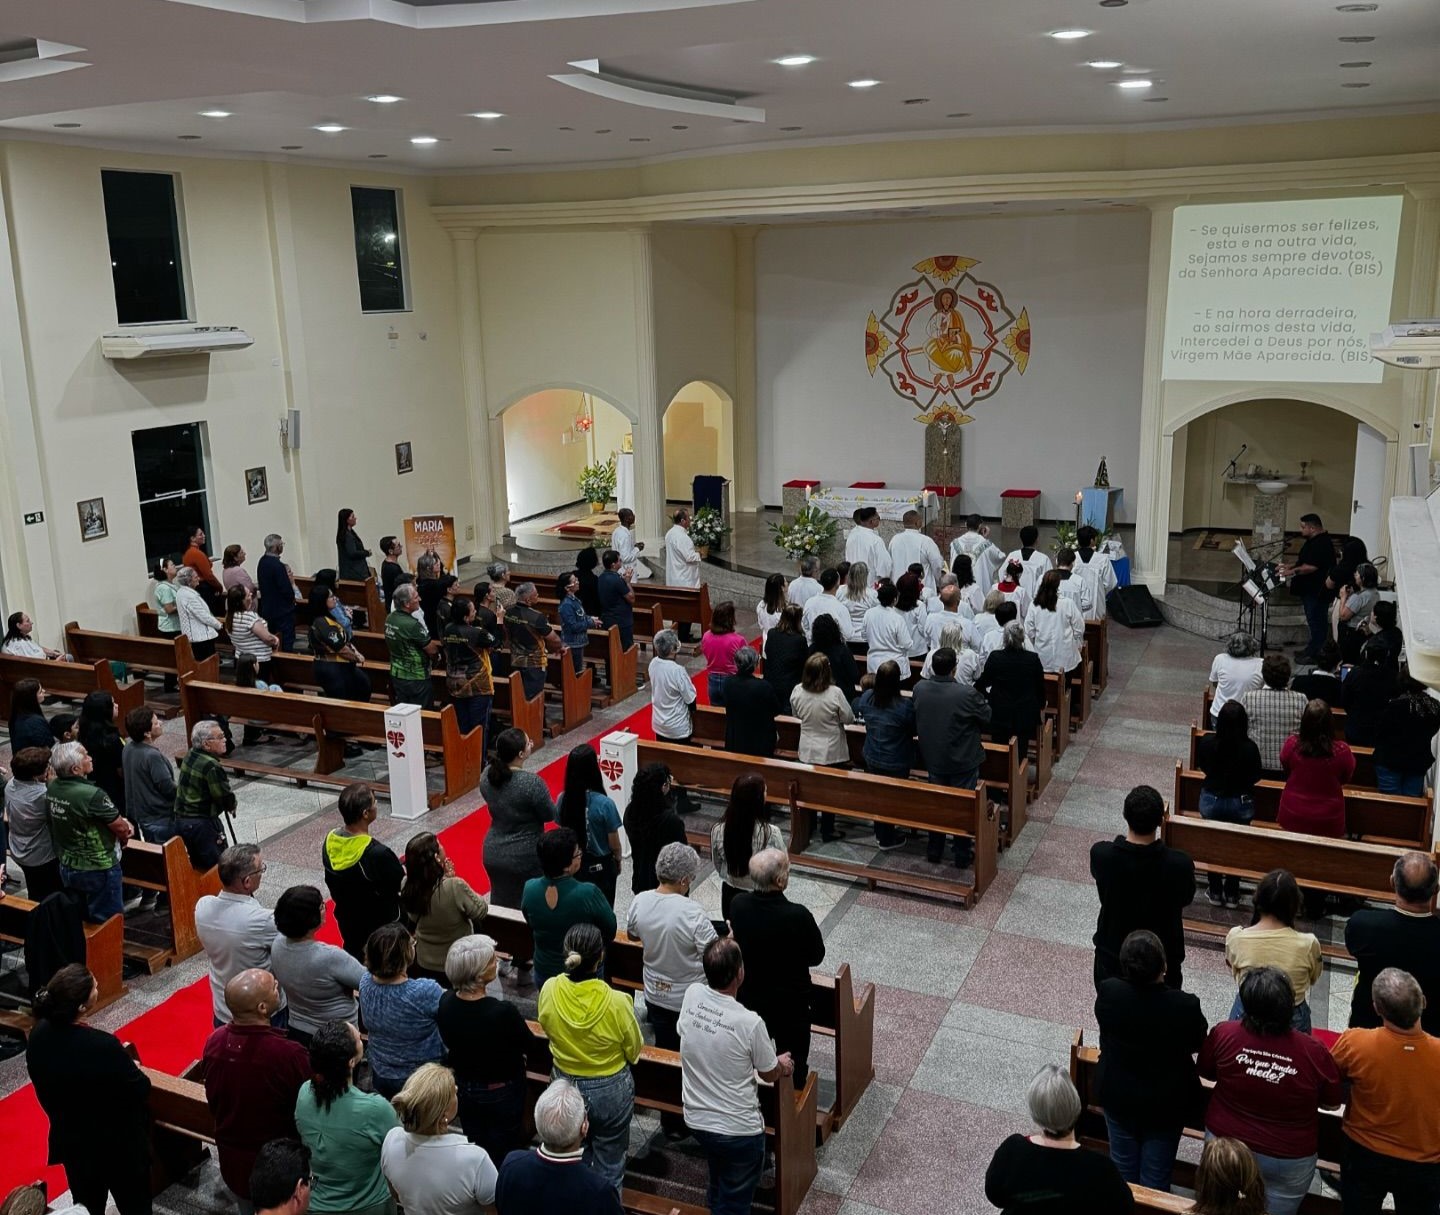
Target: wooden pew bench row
1364, 777
68, 681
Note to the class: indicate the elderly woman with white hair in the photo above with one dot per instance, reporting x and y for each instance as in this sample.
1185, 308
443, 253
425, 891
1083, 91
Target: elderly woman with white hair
672, 691
1013, 681
486, 1040
1051, 1171
554, 1177
196, 620
967, 660
1234, 672
431, 1171
674, 930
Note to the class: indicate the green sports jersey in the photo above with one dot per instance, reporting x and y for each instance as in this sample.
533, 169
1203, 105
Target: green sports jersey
79, 812
407, 640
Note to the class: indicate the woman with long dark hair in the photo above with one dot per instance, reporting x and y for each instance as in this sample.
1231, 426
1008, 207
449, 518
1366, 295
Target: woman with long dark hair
438, 905
651, 822
1408, 725
587, 561
1271, 940
100, 737
1012, 586
743, 830
1231, 763
719, 644
26, 723
767, 611
19, 639
785, 652
889, 747
826, 638
1054, 627
350, 550
1317, 765
339, 667
1352, 612
592, 816
520, 807
910, 604
97, 1100
972, 594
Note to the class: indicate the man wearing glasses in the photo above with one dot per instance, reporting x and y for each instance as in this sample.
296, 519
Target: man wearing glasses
280, 1181
236, 930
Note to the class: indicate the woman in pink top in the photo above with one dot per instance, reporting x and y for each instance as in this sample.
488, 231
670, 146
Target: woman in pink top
1317, 766
719, 645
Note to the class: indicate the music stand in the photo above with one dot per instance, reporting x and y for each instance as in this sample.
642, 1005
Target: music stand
1255, 587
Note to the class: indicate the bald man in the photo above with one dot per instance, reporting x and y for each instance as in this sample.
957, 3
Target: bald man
1405, 936
253, 1074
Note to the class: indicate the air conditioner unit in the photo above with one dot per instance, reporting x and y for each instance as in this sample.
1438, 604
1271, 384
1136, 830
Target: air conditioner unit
182, 339
1414, 345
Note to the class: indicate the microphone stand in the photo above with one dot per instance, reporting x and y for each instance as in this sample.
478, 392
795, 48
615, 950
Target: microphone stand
1231, 469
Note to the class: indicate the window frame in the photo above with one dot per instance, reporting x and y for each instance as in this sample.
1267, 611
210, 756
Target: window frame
402, 247
182, 247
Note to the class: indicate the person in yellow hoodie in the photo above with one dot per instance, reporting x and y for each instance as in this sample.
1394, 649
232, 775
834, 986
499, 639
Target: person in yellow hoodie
594, 1038
362, 874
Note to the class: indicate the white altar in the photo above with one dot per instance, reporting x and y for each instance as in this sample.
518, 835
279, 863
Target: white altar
892, 504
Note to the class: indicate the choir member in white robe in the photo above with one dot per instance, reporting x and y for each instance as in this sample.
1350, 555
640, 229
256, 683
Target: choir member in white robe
804, 588
984, 556
950, 616
682, 562
1037, 564
1095, 567
1054, 627
1012, 586
825, 604
768, 609
1072, 586
968, 663
972, 593
858, 596
886, 632
864, 544
622, 540
912, 545
910, 605
985, 622
995, 639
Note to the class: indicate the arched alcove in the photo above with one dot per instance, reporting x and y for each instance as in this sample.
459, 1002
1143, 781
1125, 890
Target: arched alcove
550, 435
698, 437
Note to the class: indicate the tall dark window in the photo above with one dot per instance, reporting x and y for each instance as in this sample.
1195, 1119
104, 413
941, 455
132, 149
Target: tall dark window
170, 478
378, 249
145, 259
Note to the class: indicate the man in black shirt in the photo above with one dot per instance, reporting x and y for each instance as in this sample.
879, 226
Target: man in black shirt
750, 717
1142, 884
1307, 581
1322, 683
1406, 936
617, 598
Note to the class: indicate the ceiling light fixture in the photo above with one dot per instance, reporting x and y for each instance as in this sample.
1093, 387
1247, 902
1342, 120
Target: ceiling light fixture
1104, 65
1069, 35
792, 128
488, 114
502, 149
1113, 3
384, 98
959, 114
680, 126
1134, 83
187, 137
1356, 8
1358, 38
1358, 63
330, 128
1356, 84
866, 83
1155, 99
214, 113
795, 60
639, 139
378, 156
423, 141
67, 126
916, 101
291, 147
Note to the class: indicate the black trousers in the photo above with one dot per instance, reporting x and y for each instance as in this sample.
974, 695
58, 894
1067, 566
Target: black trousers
91, 1179
1366, 1177
790, 1027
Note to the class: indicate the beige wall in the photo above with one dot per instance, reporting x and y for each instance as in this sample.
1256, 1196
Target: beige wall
698, 439
544, 455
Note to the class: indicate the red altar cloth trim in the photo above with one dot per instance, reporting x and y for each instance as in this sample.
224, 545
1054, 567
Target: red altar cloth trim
1020, 493
943, 491
800, 484
867, 484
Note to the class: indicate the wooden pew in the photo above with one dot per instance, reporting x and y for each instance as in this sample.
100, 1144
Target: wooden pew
622, 666
1081, 690
1379, 818
332, 722
835, 1011
68, 681
104, 955
1337, 714
1363, 778
1097, 637
1001, 769
1057, 709
156, 655
166, 868
806, 787
1093, 1134
681, 604
362, 598
571, 691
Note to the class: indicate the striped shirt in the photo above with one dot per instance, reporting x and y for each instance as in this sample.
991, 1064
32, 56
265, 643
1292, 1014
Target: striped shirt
242, 636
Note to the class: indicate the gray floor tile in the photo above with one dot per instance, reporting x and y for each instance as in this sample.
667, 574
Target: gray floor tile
905, 951
1050, 909
982, 1070
1092, 807
1029, 1031
841, 1158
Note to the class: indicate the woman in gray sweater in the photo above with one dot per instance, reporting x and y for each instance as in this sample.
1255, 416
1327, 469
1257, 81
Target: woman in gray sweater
319, 980
520, 805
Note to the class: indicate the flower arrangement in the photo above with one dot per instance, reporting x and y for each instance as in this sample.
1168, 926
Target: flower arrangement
597, 482
708, 528
1065, 537
808, 535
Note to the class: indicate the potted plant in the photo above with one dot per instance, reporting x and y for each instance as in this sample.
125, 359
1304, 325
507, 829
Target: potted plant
708, 529
597, 484
809, 535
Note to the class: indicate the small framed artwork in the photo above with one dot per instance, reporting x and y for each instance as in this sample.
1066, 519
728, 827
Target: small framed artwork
93, 524
404, 459
257, 486
627, 444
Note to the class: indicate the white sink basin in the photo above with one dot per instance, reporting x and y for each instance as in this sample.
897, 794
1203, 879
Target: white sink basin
1272, 487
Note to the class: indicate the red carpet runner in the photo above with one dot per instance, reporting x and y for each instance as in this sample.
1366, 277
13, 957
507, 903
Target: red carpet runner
171, 1035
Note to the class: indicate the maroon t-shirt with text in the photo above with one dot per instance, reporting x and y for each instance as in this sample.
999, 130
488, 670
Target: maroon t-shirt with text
1268, 1088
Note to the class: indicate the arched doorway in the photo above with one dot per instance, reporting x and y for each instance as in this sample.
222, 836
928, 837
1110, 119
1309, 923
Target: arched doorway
549, 437
698, 437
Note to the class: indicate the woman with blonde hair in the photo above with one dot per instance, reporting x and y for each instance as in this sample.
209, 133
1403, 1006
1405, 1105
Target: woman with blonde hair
1228, 1181
432, 1170
857, 595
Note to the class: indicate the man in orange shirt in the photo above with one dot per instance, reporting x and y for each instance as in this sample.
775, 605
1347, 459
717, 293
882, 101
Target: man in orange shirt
1392, 1119
199, 561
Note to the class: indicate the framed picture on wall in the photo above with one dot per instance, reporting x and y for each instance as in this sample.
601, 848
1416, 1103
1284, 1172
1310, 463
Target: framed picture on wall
257, 485
93, 524
404, 459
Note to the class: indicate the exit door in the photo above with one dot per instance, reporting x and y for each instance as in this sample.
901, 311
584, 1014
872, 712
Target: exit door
1369, 486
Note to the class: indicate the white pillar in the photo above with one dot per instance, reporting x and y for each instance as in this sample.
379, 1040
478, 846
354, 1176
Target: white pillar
472, 380
650, 519
746, 421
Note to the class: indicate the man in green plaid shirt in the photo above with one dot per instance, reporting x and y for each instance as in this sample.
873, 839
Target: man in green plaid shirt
202, 795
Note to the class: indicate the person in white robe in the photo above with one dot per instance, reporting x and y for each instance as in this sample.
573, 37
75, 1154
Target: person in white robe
1072, 586
912, 545
1012, 585
858, 596
622, 540
1054, 627
949, 617
972, 593
975, 543
995, 639
804, 588
682, 562
985, 622
864, 544
825, 604
1037, 564
886, 632
968, 662
1097, 570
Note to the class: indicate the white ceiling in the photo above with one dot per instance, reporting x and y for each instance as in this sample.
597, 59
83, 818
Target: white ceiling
283, 66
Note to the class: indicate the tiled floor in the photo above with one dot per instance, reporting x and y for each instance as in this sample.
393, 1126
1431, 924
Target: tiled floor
968, 1003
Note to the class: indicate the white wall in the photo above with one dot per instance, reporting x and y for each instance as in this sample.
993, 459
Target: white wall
543, 455
821, 415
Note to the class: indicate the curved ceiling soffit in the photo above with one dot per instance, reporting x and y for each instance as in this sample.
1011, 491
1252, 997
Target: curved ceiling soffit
434, 14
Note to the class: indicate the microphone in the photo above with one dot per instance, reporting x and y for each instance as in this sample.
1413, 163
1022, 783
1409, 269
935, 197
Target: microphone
1230, 468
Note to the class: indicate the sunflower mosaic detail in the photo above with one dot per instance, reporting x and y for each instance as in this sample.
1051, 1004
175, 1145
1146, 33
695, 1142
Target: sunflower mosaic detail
876, 343
1017, 341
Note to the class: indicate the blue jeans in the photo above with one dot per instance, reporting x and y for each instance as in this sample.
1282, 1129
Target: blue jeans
473, 711
1226, 810
610, 1102
716, 685
204, 841
493, 1115
1299, 1019
964, 849
1317, 620
736, 1162
1403, 784
1144, 1156
100, 888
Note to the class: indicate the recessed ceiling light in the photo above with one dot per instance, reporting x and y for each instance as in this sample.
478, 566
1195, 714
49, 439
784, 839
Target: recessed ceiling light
680, 126
1113, 3
1358, 38
330, 128
602, 130
916, 101
384, 98
67, 126
1155, 99
423, 140
502, 149
865, 83
959, 114
1139, 82
488, 114
1357, 63
187, 137
795, 60
214, 113
1070, 35
792, 128
378, 156
291, 147
1105, 65
639, 139
1356, 8
1356, 84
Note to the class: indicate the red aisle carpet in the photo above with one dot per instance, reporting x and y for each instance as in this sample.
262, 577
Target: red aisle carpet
171, 1035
